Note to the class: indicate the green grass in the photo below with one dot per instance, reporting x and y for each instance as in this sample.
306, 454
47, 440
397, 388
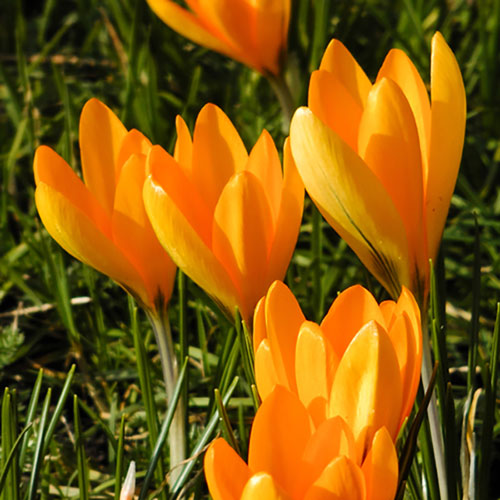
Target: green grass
74, 430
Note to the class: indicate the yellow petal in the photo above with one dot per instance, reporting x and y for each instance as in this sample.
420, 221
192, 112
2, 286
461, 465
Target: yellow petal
272, 449
351, 198
263, 487
241, 237
366, 391
288, 220
184, 244
342, 479
447, 137
188, 25
265, 372
311, 369
339, 61
218, 153
226, 473
79, 236
101, 136
380, 468
388, 143
283, 320
259, 324
133, 233
349, 312
334, 105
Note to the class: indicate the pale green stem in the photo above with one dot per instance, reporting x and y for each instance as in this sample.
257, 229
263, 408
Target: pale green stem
432, 411
177, 434
282, 91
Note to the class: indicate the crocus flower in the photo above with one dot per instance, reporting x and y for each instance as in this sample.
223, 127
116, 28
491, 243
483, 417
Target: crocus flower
254, 33
288, 459
362, 363
380, 161
102, 221
228, 219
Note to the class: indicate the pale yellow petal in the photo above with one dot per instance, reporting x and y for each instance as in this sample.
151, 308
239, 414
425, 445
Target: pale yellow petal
265, 372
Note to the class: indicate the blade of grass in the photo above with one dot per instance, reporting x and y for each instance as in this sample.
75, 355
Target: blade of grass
119, 459
82, 467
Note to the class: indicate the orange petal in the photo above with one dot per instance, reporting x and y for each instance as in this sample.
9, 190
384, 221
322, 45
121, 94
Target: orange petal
272, 448
265, 372
330, 101
311, 368
389, 144
351, 198
241, 237
448, 115
380, 468
338, 435
133, 143
133, 233
342, 479
283, 320
183, 152
218, 153
288, 220
187, 25
101, 136
349, 312
366, 391
185, 246
226, 473
259, 324
77, 233
263, 487
339, 61
398, 67
387, 308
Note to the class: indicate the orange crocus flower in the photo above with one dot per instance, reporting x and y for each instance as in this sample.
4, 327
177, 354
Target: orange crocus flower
380, 161
102, 221
362, 363
288, 459
254, 33
229, 219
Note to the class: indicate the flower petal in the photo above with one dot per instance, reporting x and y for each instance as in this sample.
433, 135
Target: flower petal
265, 372
351, 198
388, 143
380, 468
349, 312
218, 153
226, 473
263, 487
272, 448
448, 115
183, 152
366, 391
101, 136
241, 237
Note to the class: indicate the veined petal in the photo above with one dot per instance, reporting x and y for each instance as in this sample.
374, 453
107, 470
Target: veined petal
183, 152
283, 321
388, 143
349, 312
272, 448
263, 487
342, 479
289, 218
265, 372
351, 198
218, 153
185, 246
264, 163
448, 115
226, 473
311, 369
339, 61
79, 236
398, 67
133, 234
366, 391
101, 136
241, 236
330, 101
380, 468
188, 25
